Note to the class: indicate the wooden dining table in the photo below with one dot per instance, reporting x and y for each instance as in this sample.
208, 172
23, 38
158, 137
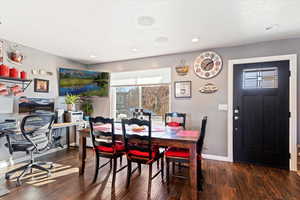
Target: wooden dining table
162, 137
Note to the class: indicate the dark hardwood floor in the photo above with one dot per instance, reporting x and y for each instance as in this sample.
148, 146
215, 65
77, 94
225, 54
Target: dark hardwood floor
222, 181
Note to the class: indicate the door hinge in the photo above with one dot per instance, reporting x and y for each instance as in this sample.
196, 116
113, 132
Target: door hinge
289, 114
289, 155
290, 73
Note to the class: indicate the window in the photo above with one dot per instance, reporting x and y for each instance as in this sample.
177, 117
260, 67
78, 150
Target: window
149, 89
260, 78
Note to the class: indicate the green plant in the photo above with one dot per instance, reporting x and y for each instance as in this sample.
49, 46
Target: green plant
72, 99
87, 106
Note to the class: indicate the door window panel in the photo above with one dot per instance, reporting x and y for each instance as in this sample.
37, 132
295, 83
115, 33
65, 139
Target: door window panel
260, 78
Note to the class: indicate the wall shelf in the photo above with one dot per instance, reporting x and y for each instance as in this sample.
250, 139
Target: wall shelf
24, 83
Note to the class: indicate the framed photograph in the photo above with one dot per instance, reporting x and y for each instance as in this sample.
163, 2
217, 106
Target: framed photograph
41, 85
183, 89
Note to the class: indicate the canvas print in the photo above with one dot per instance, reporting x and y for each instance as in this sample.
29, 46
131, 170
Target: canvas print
85, 83
31, 105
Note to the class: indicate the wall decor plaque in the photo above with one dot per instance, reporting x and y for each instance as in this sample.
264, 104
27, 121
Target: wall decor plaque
183, 89
208, 88
182, 69
208, 65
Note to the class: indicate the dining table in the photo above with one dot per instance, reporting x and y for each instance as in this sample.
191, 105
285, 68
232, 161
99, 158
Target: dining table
161, 136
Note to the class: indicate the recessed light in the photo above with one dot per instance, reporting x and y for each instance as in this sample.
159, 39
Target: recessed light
161, 39
146, 21
93, 56
195, 39
134, 50
272, 26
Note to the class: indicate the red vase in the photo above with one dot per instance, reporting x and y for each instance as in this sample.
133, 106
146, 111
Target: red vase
13, 73
4, 71
23, 75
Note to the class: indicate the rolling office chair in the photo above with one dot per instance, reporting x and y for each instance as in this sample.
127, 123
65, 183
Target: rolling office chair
36, 138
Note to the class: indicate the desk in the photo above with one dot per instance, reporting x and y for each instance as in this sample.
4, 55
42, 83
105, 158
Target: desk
163, 138
67, 125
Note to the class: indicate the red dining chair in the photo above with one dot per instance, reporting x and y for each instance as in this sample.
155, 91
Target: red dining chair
139, 149
171, 122
182, 156
105, 145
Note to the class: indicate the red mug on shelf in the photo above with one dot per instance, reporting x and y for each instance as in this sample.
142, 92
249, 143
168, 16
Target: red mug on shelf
4, 71
13, 73
23, 75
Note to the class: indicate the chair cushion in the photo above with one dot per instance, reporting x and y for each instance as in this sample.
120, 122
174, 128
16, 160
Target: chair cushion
119, 146
173, 124
141, 153
177, 152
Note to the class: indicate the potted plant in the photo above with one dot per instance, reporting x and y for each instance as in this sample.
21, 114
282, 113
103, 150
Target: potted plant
87, 107
71, 101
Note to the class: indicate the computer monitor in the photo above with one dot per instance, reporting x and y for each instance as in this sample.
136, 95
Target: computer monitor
6, 105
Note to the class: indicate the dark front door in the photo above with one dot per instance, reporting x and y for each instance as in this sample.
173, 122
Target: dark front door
261, 113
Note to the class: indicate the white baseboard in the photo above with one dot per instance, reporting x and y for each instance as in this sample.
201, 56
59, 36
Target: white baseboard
215, 157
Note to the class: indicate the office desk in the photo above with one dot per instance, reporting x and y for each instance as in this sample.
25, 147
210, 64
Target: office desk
67, 125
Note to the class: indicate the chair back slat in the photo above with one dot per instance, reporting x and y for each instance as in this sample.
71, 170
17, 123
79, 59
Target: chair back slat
100, 137
135, 141
202, 135
141, 113
177, 115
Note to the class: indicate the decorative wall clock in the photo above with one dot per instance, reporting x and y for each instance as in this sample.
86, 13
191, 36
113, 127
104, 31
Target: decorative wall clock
208, 65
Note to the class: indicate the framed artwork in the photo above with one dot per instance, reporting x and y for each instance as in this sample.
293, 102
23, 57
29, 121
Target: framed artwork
183, 89
41, 85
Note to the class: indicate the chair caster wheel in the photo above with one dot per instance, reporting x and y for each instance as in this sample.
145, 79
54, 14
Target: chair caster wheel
51, 166
7, 176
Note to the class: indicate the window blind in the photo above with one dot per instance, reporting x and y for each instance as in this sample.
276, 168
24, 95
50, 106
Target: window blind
143, 77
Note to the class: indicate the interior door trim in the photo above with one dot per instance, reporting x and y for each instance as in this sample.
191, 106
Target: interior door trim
292, 58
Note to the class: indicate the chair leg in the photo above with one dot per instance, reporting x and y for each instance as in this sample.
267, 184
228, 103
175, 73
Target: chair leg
41, 168
96, 167
200, 178
173, 167
168, 171
162, 169
158, 164
140, 168
114, 171
179, 166
121, 158
110, 164
22, 174
128, 173
149, 181
8, 174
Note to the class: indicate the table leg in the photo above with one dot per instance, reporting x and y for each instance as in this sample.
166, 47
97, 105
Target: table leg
82, 154
75, 134
193, 171
68, 137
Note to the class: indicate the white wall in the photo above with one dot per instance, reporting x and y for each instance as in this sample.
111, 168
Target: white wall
202, 104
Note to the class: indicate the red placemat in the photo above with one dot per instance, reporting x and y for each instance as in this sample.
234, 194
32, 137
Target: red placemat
187, 133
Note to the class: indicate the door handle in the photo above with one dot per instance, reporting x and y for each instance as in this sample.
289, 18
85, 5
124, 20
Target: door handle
236, 118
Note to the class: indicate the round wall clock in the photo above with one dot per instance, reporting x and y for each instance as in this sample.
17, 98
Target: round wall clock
208, 65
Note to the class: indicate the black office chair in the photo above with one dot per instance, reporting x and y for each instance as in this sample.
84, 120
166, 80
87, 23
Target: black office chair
36, 139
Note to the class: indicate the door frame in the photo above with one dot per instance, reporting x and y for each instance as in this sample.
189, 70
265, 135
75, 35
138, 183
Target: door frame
292, 58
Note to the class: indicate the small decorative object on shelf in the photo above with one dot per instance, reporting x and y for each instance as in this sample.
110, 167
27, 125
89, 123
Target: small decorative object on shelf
4, 71
12, 82
183, 89
1, 51
208, 65
87, 106
41, 85
208, 88
13, 73
23, 75
182, 69
14, 55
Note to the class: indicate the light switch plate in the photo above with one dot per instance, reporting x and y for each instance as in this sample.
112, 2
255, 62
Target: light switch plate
223, 107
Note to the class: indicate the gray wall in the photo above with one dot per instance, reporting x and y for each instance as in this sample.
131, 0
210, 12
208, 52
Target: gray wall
35, 59
201, 104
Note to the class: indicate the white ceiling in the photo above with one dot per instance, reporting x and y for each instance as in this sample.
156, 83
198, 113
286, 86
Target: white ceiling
77, 29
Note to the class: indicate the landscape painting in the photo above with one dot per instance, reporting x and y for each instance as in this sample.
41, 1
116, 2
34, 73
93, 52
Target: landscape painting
82, 82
